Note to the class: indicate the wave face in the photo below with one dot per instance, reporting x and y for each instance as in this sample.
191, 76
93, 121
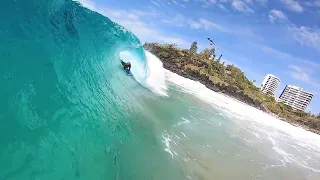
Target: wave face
67, 107
68, 111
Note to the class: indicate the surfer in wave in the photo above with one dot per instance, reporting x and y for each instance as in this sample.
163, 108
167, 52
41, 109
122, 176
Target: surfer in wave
126, 65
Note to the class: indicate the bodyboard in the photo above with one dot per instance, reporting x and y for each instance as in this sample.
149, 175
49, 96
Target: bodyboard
128, 72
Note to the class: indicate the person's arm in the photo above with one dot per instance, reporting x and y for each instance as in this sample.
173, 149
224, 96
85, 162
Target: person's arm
123, 63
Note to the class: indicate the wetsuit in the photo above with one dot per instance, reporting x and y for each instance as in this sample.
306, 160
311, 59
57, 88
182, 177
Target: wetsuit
126, 66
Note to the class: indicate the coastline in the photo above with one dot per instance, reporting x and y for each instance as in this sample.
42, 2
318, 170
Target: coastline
243, 102
277, 117
225, 90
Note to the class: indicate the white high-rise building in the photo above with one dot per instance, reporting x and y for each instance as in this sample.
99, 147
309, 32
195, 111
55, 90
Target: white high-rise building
270, 84
296, 97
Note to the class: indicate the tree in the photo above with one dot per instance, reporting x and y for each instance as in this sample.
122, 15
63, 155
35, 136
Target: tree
194, 47
205, 54
301, 113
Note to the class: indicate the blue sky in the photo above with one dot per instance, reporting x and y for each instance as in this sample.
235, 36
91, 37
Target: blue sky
281, 37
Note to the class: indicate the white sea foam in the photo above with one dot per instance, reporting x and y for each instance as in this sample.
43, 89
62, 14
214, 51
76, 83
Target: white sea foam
156, 81
185, 121
184, 135
262, 125
241, 110
166, 139
148, 72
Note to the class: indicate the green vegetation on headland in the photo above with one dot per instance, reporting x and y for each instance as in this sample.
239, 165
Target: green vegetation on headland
228, 80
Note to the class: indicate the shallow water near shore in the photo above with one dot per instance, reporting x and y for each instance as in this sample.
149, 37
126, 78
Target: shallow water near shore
241, 142
68, 110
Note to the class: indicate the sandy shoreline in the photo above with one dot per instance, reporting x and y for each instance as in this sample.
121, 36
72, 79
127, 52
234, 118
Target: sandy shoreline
178, 61
275, 116
266, 112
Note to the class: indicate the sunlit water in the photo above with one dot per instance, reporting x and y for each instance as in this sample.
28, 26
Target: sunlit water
68, 111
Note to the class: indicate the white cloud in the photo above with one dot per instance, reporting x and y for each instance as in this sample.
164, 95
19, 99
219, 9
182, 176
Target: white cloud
146, 32
155, 3
293, 5
300, 74
182, 21
248, 1
178, 20
241, 6
222, 7
290, 58
208, 2
150, 34
277, 15
306, 36
317, 3
174, 1
131, 20
207, 25
211, 1
116, 14
303, 75
88, 4
262, 2
314, 3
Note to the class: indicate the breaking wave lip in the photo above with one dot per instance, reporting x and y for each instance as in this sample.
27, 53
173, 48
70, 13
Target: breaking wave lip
147, 70
237, 110
156, 80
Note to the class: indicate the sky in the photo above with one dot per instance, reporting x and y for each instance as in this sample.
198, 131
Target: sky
279, 37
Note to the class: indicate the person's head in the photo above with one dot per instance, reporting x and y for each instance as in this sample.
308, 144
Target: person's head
128, 63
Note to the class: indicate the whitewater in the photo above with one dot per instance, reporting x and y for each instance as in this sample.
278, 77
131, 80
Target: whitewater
68, 111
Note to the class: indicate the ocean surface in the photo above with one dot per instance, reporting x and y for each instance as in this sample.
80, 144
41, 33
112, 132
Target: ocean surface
68, 111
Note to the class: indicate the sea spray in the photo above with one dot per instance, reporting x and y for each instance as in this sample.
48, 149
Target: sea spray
138, 67
149, 72
156, 75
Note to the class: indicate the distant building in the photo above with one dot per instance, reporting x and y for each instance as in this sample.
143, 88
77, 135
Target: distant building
296, 97
270, 84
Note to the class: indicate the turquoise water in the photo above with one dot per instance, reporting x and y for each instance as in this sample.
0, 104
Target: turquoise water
66, 108
68, 111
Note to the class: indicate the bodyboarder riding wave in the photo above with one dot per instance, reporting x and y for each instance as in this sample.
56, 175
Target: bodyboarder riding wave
126, 65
